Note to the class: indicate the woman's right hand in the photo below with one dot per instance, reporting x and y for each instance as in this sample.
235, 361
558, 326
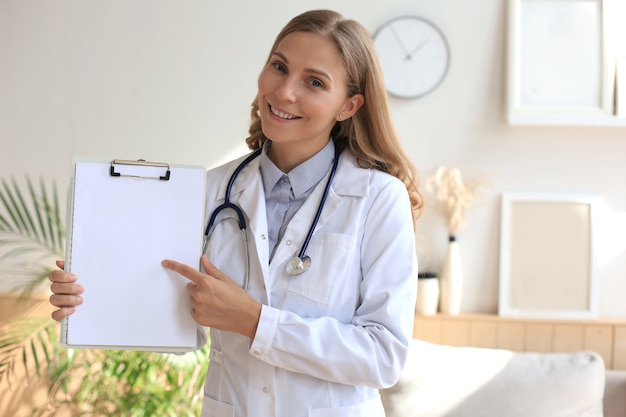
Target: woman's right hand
66, 292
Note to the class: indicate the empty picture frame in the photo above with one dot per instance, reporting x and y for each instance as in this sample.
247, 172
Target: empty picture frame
547, 259
556, 65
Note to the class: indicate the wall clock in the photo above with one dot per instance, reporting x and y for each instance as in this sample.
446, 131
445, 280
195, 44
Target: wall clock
414, 56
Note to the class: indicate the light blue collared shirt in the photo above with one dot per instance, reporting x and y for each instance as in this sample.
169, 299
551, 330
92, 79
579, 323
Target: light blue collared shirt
286, 193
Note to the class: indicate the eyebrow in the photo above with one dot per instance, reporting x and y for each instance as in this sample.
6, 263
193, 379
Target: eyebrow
311, 70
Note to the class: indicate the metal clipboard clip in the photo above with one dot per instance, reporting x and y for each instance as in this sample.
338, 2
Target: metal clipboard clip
143, 163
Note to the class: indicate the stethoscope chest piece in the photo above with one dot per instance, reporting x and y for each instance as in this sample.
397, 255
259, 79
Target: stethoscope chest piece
297, 266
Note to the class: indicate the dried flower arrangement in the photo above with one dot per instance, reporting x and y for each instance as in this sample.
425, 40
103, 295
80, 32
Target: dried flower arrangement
453, 194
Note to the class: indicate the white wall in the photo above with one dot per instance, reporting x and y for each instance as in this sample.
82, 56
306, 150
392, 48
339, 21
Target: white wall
173, 81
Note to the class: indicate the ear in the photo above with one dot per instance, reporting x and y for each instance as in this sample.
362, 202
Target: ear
351, 106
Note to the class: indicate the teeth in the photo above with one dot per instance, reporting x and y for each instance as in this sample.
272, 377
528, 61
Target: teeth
282, 115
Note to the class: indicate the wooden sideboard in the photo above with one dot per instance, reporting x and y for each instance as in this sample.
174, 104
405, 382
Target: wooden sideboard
12, 306
606, 337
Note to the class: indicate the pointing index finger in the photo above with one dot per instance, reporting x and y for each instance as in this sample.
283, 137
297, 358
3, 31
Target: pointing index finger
184, 270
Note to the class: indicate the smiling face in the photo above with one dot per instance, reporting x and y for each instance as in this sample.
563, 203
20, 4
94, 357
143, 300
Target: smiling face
302, 93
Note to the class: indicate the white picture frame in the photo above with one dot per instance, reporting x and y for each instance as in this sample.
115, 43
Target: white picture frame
558, 63
547, 256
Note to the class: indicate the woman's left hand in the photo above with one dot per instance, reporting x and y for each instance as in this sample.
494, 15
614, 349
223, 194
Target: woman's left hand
216, 300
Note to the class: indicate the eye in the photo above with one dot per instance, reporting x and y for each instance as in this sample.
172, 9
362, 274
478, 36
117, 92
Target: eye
279, 66
316, 83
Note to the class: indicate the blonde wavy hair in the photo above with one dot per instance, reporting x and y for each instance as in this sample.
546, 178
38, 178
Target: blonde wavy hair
370, 134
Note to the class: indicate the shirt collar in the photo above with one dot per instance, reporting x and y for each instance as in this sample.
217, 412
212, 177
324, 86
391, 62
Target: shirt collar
302, 177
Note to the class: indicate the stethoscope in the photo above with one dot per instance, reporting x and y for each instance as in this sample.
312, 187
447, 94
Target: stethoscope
298, 264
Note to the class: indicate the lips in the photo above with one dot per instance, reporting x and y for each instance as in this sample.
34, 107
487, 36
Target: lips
282, 115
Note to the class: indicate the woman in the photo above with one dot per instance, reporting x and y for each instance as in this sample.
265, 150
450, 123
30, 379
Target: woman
320, 343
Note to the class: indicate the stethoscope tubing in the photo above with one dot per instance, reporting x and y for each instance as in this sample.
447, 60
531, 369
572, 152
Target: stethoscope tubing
227, 204
309, 235
242, 222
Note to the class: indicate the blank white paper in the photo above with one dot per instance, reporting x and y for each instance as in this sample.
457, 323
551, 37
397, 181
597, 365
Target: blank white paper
121, 228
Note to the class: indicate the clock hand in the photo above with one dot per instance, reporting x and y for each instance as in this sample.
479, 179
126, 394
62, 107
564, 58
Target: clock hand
395, 35
410, 55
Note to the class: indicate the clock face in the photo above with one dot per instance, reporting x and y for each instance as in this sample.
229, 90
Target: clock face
413, 54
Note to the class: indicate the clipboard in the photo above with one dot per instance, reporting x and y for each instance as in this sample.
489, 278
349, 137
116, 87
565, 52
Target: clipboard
124, 218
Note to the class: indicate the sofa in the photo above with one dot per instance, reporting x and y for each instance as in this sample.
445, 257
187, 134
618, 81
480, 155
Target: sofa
450, 381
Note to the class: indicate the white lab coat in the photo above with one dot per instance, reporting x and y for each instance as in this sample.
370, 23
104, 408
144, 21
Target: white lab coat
329, 338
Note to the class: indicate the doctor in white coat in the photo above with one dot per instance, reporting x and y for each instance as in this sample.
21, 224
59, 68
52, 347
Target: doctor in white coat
323, 342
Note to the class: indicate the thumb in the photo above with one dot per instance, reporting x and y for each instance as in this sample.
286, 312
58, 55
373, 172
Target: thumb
210, 269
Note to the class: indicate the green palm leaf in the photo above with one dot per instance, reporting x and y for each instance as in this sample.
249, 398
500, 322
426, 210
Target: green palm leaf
32, 342
31, 230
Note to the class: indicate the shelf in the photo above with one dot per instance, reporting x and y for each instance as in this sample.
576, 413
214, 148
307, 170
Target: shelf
606, 337
566, 120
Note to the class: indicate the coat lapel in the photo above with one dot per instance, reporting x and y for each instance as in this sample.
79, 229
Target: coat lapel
247, 193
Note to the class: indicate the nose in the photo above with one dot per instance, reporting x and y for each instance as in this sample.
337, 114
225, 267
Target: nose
287, 90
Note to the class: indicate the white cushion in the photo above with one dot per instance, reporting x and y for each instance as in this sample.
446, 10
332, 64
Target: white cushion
451, 381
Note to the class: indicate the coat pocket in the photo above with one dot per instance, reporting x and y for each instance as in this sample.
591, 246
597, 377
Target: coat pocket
331, 257
214, 408
369, 408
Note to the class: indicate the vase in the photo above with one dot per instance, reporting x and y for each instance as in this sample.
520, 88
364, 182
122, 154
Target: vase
427, 294
451, 280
